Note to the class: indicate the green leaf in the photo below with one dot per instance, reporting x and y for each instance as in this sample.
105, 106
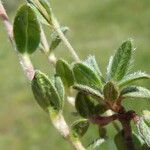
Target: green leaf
121, 61
64, 71
43, 6
60, 88
144, 131
133, 77
56, 40
88, 90
102, 132
146, 117
122, 145
86, 76
45, 92
110, 91
79, 128
96, 144
26, 30
135, 92
85, 105
91, 62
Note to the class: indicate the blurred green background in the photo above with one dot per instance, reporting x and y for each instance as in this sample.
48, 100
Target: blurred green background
98, 27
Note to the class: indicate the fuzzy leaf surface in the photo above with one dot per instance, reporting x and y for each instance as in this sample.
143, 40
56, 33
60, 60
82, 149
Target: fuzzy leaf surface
45, 92
136, 92
84, 75
121, 61
79, 128
63, 70
133, 77
56, 40
26, 30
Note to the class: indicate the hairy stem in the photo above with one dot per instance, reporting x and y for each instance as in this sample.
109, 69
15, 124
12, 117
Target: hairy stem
24, 59
64, 39
62, 127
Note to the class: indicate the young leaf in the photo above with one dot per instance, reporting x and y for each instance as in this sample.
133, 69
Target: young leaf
91, 62
26, 30
44, 8
121, 61
133, 77
45, 92
108, 72
60, 88
84, 105
136, 92
84, 75
122, 145
64, 71
79, 128
88, 90
144, 131
110, 91
56, 39
146, 117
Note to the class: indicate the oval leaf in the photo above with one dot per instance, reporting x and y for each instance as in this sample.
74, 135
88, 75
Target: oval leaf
133, 77
121, 61
84, 75
45, 92
110, 91
64, 71
135, 92
26, 30
79, 128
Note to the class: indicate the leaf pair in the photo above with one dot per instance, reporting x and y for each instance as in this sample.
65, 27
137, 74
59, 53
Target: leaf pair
48, 94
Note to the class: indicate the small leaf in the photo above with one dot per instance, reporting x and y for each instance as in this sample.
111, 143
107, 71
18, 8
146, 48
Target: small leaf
44, 8
79, 128
144, 131
110, 91
84, 75
45, 92
133, 77
26, 30
84, 105
136, 92
88, 90
146, 117
91, 62
108, 72
64, 71
56, 39
121, 61
60, 88
122, 145
96, 144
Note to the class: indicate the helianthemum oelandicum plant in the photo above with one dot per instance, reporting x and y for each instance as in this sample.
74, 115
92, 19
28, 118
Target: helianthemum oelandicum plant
97, 98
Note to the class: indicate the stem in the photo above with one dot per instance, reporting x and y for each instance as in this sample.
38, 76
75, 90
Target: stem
24, 59
125, 119
64, 39
62, 127
116, 126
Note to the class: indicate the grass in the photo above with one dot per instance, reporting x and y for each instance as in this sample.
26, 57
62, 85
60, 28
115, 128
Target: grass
97, 27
